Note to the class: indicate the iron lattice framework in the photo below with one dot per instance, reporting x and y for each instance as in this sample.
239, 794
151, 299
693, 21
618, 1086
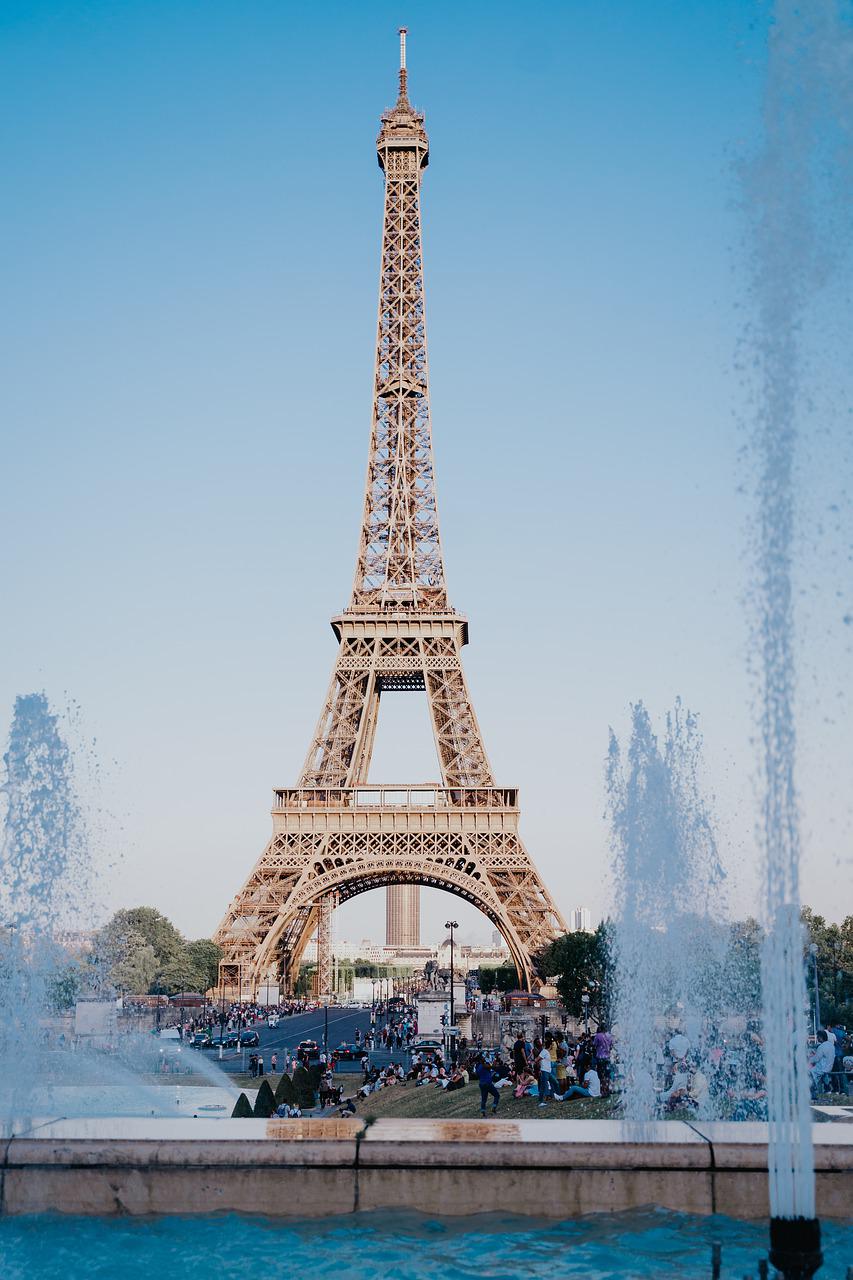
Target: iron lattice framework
333, 835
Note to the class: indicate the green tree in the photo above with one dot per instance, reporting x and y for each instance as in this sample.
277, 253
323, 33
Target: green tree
265, 1101
204, 956
153, 926
503, 978
581, 962
180, 974
137, 969
242, 1109
139, 950
303, 1088
284, 1091
63, 987
834, 957
740, 984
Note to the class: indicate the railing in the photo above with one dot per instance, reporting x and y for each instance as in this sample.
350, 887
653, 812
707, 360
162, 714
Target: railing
422, 796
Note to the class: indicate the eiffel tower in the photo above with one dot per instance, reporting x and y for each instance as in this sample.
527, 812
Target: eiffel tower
334, 834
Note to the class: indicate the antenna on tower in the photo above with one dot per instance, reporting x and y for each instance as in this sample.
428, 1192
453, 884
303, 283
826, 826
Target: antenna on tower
403, 72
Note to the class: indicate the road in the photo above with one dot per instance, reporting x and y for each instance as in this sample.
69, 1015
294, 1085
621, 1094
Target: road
290, 1030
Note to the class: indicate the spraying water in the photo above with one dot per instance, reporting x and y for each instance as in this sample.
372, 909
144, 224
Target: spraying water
791, 188
669, 937
46, 901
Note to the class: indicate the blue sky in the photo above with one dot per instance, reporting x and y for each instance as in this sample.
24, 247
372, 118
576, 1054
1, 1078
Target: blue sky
189, 257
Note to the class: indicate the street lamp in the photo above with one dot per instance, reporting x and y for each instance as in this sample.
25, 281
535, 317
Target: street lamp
452, 925
817, 1022
585, 1003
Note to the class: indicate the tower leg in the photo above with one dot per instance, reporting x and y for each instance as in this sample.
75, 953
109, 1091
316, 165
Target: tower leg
324, 946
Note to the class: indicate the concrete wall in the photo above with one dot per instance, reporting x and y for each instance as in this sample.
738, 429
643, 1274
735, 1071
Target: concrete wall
315, 1167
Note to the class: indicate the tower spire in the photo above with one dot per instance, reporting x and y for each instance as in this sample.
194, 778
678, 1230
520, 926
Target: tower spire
404, 75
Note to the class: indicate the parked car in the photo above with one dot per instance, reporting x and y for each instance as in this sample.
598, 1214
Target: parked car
201, 1040
427, 1044
348, 1053
249, 1039
231, 1039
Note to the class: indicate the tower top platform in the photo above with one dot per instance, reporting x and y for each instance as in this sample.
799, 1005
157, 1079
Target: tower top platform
403, 126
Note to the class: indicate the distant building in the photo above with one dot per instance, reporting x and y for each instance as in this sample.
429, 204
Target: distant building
403, 915
498, 943
364, 950
581, 920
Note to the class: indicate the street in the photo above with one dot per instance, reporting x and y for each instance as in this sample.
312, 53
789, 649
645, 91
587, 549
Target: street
290, 1030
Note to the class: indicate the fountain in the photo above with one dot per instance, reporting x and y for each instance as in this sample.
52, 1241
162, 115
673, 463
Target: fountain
670, 936
47, 878
808, 110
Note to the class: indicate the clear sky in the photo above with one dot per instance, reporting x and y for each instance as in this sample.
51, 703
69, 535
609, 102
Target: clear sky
189, 239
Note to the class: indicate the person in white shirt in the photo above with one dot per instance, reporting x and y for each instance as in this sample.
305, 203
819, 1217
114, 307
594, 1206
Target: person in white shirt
591, 1088
546, 1080
822, 1061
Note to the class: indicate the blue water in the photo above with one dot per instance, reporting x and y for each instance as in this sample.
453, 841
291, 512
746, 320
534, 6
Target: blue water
402, 1246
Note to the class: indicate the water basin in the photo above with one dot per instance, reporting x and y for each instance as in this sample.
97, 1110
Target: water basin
407, 1246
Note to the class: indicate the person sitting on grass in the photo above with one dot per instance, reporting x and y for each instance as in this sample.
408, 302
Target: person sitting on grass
525, 1084
591, 1088
457, 1079
500, 1070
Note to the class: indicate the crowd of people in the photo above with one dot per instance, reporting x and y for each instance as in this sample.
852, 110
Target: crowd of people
554, 1067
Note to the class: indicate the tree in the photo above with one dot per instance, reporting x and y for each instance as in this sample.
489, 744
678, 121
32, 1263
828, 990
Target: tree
284, 1091
179, 974
502, 978
136, 971
581, 962
265, 1101
242, 1109
204, 956
834, 957
63, 987
139, 950
741, 978
303, 1089
156, 930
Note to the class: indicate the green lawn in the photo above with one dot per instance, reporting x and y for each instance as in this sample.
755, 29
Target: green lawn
429, 1103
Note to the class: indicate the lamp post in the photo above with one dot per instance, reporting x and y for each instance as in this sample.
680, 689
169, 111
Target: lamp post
585, 1003
813, 954
452, 925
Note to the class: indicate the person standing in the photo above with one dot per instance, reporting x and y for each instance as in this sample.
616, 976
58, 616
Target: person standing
602, 1047
561, 1065
546, 1078
273, 1063
520, 1060
487, 1085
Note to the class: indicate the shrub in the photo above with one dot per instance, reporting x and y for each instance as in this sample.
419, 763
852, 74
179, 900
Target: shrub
265, 1101
303, 1088
242, 1109
285, 1091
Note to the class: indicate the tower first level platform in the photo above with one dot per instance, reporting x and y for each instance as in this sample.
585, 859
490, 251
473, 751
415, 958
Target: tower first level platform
338, 842
336, 836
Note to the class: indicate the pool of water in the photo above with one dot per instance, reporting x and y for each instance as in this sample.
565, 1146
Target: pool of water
405, 1246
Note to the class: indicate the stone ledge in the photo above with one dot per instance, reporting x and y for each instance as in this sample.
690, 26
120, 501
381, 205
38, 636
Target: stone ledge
310, 1168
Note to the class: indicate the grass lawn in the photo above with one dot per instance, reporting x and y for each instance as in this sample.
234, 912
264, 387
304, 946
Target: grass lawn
429, 1103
